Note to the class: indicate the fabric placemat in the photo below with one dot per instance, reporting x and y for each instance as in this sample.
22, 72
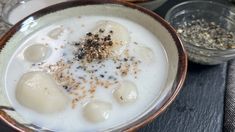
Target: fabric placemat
229, 110
229, 114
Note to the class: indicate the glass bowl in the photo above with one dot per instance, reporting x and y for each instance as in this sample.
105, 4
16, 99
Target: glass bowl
152, 4
149, 4
223, 16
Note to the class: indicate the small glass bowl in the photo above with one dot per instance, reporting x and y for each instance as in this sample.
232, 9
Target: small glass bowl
149, 4
152, 4
26, 8
211, 12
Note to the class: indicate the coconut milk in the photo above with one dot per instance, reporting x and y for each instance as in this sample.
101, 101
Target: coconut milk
149, 81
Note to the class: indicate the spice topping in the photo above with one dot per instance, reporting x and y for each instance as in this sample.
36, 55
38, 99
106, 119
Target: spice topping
94, 47
206, 34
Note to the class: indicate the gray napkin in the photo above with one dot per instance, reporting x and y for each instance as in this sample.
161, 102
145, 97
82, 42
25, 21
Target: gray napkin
229, 113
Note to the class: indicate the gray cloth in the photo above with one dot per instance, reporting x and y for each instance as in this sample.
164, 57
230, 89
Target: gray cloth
229, 113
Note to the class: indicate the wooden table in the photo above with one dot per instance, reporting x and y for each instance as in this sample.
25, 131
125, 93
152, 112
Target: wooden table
199, 106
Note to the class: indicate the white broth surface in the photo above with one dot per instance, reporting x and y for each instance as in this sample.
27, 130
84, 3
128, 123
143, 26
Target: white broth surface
141, 60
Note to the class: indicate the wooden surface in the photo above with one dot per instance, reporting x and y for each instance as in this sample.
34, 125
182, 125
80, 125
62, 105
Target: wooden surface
199, 106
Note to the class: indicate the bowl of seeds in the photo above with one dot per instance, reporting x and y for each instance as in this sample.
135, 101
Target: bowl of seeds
207, 30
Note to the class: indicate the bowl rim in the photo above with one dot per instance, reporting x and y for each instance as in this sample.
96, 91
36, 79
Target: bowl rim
226, 52
182, 62
193, 2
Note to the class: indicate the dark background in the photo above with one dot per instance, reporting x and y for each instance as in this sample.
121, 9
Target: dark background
200, 105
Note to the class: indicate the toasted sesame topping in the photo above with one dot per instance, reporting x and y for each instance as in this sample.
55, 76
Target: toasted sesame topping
89, 57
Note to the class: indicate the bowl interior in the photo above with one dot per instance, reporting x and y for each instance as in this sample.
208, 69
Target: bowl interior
173, 48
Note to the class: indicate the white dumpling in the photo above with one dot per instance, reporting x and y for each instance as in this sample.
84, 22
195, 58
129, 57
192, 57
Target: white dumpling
144, 53
126, 93
119, 34
39, 92
37, 53
97, 111
55, 33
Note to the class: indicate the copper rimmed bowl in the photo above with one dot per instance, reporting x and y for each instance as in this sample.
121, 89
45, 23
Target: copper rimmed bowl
175, 52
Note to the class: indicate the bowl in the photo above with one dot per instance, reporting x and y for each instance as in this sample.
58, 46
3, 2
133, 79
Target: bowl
15, 10
152, 4
190, 11
176, 56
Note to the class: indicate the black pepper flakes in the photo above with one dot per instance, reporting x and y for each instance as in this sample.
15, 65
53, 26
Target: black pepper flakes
112, 78
119, 67
101, 30
79, 67
96, 35
89, 34
93, 47
76, 43
65, 87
